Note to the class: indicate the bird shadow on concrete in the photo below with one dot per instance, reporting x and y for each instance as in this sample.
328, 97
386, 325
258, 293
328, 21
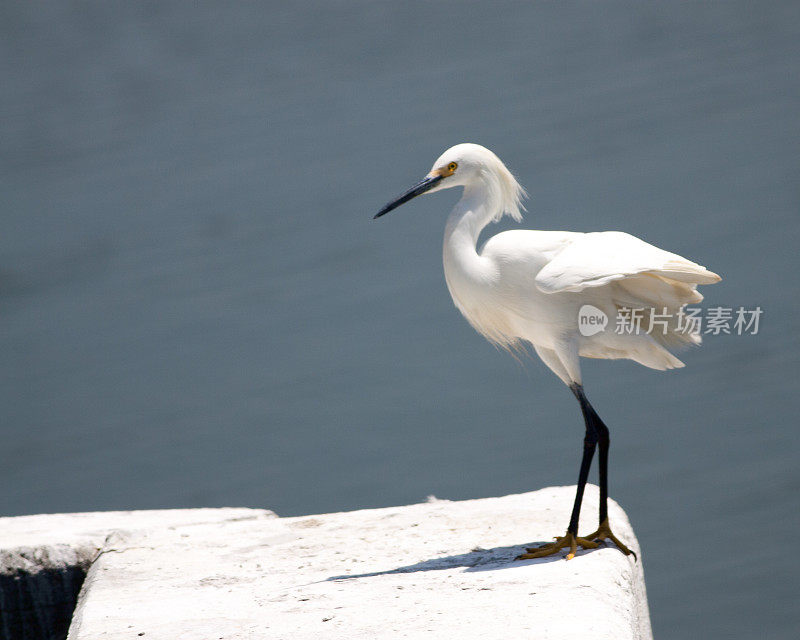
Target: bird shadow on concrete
475, 560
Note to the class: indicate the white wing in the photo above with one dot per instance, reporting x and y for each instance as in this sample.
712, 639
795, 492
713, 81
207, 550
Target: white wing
595, 259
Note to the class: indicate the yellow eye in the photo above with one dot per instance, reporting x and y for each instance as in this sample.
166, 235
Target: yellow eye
452, 167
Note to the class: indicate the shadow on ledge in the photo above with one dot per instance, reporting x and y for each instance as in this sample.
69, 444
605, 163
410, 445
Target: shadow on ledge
475, 560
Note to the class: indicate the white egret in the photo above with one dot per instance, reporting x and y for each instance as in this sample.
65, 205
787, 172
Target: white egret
530, 287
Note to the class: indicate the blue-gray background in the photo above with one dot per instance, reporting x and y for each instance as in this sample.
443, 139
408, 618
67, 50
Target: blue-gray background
197, 309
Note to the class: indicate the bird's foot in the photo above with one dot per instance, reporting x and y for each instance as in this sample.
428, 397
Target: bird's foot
570, 540
604, 533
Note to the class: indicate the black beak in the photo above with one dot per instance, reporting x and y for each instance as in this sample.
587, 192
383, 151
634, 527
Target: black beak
424, 185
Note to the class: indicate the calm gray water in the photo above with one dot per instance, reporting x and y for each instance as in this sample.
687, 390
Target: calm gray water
197, 309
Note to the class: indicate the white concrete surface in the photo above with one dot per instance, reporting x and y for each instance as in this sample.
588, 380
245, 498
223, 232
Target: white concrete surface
437, 570
91, 529
44, 558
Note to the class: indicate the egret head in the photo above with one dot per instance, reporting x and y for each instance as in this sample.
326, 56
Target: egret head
467, 165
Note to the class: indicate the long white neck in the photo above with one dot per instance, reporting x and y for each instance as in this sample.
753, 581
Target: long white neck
472, 213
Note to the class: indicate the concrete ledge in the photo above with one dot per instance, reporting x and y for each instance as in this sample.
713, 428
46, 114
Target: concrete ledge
438, 569
38, 590
44, 560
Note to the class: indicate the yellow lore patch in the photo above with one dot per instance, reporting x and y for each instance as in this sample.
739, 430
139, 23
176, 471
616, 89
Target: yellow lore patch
446, 171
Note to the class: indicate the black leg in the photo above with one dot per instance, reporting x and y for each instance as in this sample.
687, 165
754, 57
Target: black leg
596, 434
590, 441
603, 444
603, 441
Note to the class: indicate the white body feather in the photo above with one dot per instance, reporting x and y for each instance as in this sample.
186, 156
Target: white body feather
530, 285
